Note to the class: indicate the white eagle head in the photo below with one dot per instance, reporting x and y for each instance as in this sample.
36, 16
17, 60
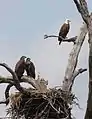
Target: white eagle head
67, 21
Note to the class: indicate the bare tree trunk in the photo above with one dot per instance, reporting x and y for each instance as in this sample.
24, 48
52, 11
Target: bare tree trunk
83, 9
88, 114
73, 59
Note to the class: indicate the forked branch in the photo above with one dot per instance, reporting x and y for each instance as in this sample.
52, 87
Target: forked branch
15, 78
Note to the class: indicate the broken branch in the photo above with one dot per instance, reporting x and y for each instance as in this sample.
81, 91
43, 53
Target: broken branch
73, 39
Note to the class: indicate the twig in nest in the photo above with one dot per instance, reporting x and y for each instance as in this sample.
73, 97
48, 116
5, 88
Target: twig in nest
73, 39
2, 102
77, 104
40, 114
50, 102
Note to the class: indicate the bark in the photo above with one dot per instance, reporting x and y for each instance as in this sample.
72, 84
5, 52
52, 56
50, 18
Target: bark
83, 9
72, 39
88, 114
73, 59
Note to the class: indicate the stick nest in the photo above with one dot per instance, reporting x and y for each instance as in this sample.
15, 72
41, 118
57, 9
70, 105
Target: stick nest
54, 104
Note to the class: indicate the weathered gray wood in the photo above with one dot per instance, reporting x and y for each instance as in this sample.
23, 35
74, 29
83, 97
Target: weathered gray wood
72, 39
83, 9
73, 59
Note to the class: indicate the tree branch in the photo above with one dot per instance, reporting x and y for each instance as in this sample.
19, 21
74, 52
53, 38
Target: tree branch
76, 73
15, 78
26, 79
83, 9
73, 39
77, 5
23, 79
40, 85
6, 80
3, 102
73, 59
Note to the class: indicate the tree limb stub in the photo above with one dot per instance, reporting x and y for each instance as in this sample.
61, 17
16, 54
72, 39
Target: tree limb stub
73, 39
73, 59
3, 102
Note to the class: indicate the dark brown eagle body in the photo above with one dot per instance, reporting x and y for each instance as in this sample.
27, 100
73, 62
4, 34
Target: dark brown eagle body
64, 30
20, 67
30, 68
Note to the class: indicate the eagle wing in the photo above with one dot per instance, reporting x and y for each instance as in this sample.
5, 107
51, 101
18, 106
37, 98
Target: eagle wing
19, 68
64, 31
30, 69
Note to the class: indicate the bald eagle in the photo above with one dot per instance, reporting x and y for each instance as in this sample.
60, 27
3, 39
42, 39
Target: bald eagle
20, 67
30, 68
64, 30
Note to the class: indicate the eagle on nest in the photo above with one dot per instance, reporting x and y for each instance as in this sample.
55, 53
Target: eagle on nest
25, 64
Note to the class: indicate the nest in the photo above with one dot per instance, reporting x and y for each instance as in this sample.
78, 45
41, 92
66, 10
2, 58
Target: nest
54, 104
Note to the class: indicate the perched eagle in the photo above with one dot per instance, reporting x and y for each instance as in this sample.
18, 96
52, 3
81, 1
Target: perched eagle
64, 30
30, 68
20, 67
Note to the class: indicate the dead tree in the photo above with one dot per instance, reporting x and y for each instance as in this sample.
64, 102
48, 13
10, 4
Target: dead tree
87, 17
40, 102
72, 62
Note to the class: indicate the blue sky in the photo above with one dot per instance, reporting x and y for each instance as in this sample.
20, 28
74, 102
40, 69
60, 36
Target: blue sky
23, 24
